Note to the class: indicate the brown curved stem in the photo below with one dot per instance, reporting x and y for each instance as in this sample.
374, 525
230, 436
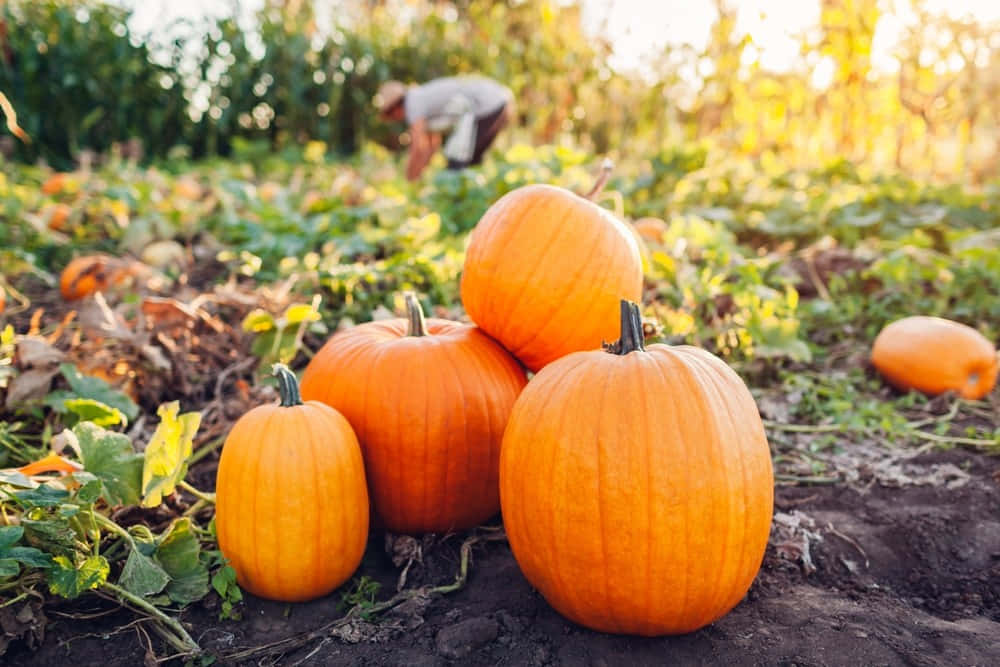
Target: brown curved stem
288, 386
607, 166
415, 325
632, 338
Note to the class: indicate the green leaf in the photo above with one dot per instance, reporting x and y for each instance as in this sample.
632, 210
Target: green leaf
86, 386
142, 575
9, 535
28, 556
178, 553
9, 567
90, 490
110, 457
43, 496
14, 478
70, 581
89, 410
54, 537
167, 454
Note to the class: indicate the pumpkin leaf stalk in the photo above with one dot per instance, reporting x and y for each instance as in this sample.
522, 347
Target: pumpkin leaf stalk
415, 325
288, 386
632, 338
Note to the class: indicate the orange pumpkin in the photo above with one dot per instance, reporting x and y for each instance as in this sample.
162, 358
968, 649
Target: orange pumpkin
544, 272
94, 273
650, 229
636, 486
291, 501
55, 183
429, 402
935, 355
57, 215
3, 299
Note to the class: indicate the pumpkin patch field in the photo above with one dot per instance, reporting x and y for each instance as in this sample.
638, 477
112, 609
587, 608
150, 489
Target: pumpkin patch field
287, 408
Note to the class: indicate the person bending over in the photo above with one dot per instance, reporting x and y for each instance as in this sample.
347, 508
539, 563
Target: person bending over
471, 110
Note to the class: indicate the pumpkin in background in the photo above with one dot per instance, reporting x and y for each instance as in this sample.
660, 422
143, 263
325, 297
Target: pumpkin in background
291, 501
55, 183
3, 299
545, 270
636, 486
650, 229
95, 273
56, 215
935, 355
429, 401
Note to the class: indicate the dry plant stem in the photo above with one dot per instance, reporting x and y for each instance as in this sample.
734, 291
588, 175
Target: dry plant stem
803, 428
177, 636
292, 643
607, 166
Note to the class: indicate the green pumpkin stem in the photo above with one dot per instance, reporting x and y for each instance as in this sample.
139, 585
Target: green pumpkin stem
607, 166
288, 386
415, 325
632, 338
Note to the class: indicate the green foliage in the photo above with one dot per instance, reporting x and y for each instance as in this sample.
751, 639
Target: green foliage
361, 595
111, 458
79, 79
91, 399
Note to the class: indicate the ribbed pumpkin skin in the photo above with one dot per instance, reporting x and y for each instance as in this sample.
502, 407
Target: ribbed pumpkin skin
637, 490
291, 501
935, 355
429, 412
545, 271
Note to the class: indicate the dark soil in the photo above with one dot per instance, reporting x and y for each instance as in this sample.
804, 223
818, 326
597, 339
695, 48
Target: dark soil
853, 576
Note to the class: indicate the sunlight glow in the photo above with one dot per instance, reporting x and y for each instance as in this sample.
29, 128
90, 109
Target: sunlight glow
639, 29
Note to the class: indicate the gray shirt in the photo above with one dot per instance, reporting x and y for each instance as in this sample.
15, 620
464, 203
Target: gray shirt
442, 102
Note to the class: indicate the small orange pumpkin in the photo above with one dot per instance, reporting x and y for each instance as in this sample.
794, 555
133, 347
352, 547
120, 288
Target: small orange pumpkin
291, 501
650, 229
934, 355
545, 270
94, 273
3, 299
636, 486
55, 183
429, 401
56, 215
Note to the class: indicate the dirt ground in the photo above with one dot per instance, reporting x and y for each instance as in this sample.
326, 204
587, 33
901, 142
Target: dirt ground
869, 573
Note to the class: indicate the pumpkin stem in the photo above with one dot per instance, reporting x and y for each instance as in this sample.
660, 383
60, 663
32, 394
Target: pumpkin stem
415, 325
288, 386
602, 179
631, 337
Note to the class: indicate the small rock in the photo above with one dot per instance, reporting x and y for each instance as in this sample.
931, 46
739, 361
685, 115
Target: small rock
461, 639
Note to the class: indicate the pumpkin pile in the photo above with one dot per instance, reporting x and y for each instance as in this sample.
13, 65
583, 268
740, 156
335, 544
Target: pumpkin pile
600, 465
635, 483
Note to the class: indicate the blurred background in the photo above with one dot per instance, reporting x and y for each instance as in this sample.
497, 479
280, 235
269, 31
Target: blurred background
910, 85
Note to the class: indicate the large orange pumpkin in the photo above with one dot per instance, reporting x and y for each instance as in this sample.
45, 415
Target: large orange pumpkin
545, 270
291, 501
935, 355
636, 486
429, 402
